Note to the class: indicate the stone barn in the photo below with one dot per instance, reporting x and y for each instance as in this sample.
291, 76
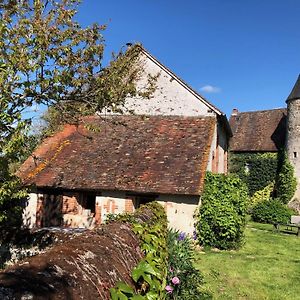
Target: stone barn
269, 131
78, 176
160, 153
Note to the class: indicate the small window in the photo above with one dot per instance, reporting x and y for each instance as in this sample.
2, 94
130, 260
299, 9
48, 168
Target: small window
89, 202
247, 168
143, 199
295, 154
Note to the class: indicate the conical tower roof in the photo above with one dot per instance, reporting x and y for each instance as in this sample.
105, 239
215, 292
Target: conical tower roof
295, 93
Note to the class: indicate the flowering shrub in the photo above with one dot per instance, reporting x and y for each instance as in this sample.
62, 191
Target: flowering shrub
183, 279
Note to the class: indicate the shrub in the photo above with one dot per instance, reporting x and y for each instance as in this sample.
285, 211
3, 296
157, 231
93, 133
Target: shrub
286, 182
183, 280
271, 211
222, 215
149, 223
261, 195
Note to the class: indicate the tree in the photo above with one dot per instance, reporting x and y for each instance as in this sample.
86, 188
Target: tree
47, 58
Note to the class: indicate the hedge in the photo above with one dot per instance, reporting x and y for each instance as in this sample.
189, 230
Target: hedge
222, 215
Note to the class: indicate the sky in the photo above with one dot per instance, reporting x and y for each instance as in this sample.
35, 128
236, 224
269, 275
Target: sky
242, 54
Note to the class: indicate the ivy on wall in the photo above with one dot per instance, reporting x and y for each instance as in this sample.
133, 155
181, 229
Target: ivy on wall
257, 170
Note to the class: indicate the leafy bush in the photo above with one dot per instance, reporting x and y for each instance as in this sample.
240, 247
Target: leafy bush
261, 195
222, 215
149, 223
286, 182
271, 211
183, 279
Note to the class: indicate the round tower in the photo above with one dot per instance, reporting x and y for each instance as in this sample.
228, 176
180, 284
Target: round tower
293, 131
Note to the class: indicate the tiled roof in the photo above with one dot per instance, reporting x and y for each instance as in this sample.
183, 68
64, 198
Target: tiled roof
295, 93
154, 154
258, 130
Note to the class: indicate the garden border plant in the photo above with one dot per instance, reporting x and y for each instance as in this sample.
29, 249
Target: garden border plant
150, 274
184, 281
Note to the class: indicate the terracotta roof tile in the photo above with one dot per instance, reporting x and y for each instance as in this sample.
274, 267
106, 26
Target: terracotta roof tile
131, 153
258, 130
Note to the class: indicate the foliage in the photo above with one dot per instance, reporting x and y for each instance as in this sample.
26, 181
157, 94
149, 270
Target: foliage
271, 211
13, 148
221, 217
257, 170
51, 59
286, 182
150, 274
261, 195
184, 280
266, 267
47, 58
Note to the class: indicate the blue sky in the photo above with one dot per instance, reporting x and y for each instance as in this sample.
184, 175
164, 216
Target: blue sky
238, 54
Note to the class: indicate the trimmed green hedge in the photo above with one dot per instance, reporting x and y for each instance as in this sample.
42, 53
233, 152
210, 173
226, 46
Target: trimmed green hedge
272, 212
222, 215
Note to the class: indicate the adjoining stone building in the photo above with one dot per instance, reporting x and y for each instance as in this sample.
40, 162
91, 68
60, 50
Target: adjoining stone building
161, 153
269, 131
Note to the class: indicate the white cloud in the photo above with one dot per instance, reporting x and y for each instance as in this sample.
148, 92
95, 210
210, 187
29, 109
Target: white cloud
210, 89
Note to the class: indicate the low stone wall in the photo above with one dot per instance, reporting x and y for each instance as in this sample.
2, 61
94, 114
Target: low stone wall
84, 266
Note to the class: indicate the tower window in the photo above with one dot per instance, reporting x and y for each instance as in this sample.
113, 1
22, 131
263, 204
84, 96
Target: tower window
295, 154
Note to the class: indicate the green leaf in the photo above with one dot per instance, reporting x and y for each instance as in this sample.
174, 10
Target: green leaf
124, 288
142, 268
138, 297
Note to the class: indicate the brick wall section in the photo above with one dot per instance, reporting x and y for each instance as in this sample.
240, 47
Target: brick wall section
129, 208
110, 206
70, 204
39, 211
98, 214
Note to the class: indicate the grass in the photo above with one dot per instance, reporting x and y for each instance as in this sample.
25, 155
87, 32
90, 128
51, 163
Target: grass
266, 267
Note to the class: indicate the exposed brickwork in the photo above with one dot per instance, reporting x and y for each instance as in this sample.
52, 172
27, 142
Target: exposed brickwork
70, 205
39, 211
98, 214
129, 207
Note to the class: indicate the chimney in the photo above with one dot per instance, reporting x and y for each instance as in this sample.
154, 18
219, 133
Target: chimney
234, 112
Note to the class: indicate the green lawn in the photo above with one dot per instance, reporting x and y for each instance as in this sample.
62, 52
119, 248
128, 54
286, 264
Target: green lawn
266, 267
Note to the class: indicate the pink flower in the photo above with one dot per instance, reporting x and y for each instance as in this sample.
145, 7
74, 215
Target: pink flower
169, 289
175, 280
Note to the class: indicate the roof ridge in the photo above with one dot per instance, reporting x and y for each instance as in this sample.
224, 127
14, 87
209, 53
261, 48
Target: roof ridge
261, 110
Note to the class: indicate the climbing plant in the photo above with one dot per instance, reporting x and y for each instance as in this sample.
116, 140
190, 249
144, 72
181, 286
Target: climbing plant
286, 182
256, 170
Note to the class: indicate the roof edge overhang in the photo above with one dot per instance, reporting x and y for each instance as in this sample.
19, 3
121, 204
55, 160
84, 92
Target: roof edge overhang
60, 189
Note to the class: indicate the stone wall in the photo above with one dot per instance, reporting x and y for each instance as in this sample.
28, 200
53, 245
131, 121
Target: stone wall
67, 210
293, 138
